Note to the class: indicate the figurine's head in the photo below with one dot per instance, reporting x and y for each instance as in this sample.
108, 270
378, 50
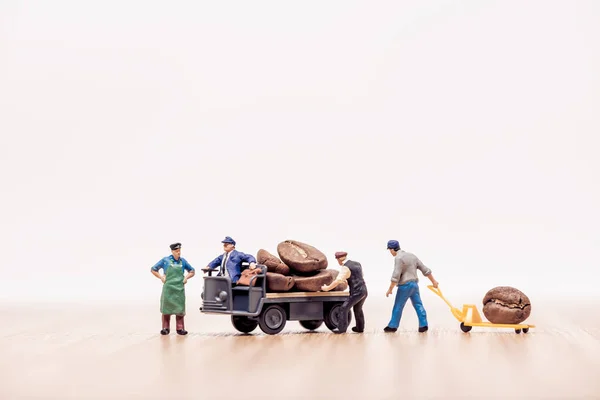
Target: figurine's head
228, 244
176, 250
393, 246
340, 256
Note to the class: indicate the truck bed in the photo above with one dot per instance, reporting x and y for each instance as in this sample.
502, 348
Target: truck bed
287, 295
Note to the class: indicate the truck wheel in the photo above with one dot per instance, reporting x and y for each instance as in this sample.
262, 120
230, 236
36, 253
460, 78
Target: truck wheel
311, 324
272, 320
332, 317
243, 324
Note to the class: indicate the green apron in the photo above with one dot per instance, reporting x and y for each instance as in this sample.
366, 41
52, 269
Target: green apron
172, 298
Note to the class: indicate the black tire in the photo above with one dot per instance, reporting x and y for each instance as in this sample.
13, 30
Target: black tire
465, 328
517, 331
525, 330
332, 317
243, 324
272, 319
311, 324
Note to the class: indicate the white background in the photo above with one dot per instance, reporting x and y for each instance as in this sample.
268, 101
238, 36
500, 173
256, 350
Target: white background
466, 130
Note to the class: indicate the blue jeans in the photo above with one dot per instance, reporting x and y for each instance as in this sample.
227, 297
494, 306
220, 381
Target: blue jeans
410, 290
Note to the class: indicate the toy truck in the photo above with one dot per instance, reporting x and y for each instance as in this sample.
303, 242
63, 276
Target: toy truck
251, 306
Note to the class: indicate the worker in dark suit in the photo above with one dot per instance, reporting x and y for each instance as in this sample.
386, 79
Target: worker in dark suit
351, 272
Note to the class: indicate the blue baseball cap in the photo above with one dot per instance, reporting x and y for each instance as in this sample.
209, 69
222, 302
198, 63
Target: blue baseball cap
228, 239
393, 244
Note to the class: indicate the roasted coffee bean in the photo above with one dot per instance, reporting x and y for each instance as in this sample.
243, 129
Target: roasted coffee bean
279, 283
506, 305
314, 282
272, 263
340, 287
301, 257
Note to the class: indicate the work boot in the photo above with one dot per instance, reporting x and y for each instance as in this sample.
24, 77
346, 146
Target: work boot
423, 328
355, 329
182, 331
164, 331
389, 329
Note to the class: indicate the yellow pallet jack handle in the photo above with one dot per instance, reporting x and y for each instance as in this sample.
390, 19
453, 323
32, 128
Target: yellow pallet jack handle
458, 314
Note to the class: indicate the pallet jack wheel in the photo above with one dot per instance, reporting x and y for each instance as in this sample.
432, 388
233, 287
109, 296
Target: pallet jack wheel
525, 330
517, 331
465, 328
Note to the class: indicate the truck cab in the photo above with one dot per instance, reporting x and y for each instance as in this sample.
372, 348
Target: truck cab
218, 296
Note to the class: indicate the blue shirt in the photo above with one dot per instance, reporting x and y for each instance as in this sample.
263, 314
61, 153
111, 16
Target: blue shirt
166, 262
234, 263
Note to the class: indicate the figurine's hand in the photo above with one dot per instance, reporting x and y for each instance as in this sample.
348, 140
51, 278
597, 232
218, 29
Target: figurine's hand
388, 292
324, 288
435, 284
184, 281
163, 278
252, 265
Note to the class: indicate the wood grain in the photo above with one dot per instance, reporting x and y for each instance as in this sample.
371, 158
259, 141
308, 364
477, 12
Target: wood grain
116, 352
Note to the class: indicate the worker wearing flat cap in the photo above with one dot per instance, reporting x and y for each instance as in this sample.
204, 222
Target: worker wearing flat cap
230, 262
406, 280
351, 272
172, 298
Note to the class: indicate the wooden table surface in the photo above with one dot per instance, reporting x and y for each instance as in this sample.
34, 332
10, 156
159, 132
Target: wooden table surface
116, 352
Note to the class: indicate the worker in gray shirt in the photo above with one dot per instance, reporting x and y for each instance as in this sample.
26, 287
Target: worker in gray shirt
405, 278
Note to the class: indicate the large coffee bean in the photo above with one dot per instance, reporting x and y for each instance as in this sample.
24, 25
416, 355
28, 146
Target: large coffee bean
279, 283
272, 263
341, 286
506, 305
314, 282
301, 257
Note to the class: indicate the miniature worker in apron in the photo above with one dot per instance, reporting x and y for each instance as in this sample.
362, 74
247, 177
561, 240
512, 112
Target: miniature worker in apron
172, 298
405, 278
351, 271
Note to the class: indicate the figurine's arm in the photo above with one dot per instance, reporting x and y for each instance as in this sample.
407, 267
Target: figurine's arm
214, 263
158, 275
432, 279
342, 277
426, 272
249, 258
398, 265
190, 270
391, 288
155, 268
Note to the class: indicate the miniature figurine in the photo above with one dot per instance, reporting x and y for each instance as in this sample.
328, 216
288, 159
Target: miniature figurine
230, 262
405, 278
172, 298
351, 272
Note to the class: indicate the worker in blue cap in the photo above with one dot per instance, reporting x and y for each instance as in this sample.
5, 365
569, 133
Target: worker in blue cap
406, 280
230, 262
